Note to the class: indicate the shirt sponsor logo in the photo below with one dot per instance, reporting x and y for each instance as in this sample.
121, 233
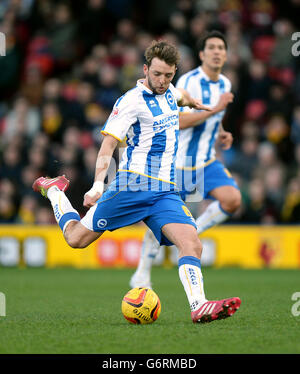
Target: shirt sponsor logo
165, 123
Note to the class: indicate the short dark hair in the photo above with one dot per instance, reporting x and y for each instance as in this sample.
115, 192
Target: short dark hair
164, 51
209, 35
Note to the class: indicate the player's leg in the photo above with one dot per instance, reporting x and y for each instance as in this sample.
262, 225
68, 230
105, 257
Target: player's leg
172, 223
151, 247
68, 219
185, 237
219, 185
142, 275
78, 236
228, 200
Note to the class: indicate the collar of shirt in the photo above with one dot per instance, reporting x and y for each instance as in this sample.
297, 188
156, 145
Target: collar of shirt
207, 77
141, 85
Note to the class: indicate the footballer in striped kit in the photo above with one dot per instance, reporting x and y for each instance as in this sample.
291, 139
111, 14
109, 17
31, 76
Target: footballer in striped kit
141, 306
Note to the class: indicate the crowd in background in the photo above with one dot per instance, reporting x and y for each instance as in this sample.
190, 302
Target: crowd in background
68, 61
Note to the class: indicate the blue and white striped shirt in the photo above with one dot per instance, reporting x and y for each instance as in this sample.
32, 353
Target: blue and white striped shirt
151, 124
197, 144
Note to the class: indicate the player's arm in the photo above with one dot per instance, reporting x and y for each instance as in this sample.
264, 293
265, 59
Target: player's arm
115, 129
187, 119
102, 164
187, 100
192, 119
225, 138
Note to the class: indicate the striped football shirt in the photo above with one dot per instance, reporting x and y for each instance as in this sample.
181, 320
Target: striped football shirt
150, 124
197, 144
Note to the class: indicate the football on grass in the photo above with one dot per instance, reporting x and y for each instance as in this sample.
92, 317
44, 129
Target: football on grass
141, 305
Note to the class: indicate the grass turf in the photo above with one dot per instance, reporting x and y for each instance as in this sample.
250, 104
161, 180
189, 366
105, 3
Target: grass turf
79, 311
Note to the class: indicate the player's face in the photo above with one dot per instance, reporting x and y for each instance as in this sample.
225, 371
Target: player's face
214, 54
159, 76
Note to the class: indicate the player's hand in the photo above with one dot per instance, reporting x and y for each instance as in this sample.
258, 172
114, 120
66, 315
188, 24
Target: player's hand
90, 200
225, 138
93, 195
225, 99
197, 104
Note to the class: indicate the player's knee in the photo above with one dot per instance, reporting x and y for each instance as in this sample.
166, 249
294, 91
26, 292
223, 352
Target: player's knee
193, 248
198, 248
74, 236
75, 241
236, 200
232, 201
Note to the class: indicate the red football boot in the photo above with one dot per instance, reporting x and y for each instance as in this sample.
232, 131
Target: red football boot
43, 184
217, 309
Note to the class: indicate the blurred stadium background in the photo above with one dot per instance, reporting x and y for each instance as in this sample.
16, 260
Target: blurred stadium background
68, 61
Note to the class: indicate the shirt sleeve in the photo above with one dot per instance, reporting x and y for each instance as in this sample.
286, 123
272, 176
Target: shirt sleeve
229, 86
184, 83
123, 115
177, 94
227, 83
181, 82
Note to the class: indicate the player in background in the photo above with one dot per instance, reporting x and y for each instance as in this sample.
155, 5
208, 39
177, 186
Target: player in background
144, 187
196, 164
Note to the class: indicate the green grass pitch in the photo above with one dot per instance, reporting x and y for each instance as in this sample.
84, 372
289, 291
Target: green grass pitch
79, 311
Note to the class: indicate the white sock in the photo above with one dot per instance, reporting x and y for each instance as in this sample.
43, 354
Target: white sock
150, 249
213, 215
192, 280
64, 213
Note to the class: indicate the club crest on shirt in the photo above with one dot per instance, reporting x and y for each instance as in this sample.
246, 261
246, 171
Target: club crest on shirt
170, 98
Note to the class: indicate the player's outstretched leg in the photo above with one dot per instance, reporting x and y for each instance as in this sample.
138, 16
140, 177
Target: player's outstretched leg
53, 189
68, 219
43, 184
142, 275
